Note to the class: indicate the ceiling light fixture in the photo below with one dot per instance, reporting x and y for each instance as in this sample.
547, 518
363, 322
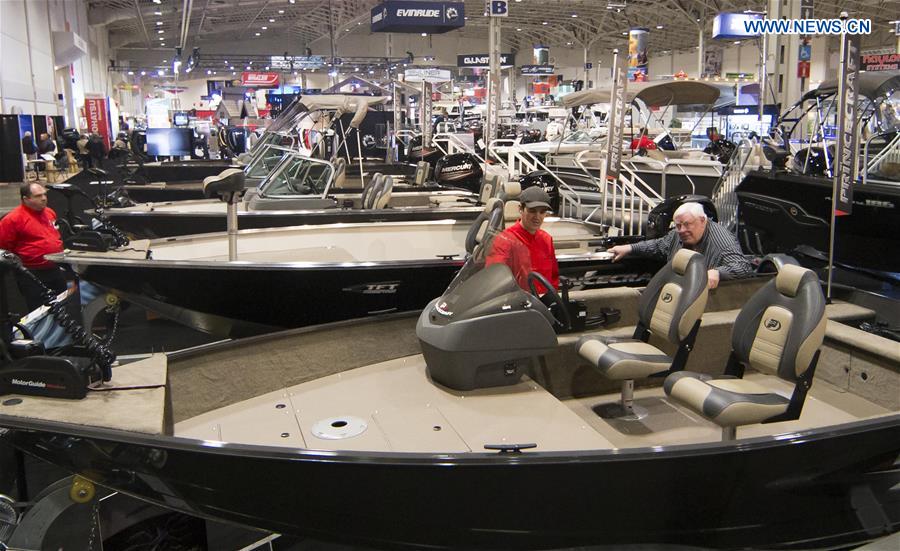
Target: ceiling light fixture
161, 38
544, 23
257, 34
265, 28
519, 29
158, 23
160, 31
157, 13
271, 20
659, 26
143, 73
280, 11
574, 15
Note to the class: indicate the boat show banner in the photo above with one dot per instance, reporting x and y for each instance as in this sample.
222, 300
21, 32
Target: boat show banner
638, 40
880, 62
417, 17
97, 117
482, 61
536, 69
845, 164
259, 80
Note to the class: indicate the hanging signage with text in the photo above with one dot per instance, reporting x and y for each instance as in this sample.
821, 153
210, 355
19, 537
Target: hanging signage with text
298, 62
97, 117
499, 8
417, 17
880, 62
536, 69
845, 164
259, 80
483, 61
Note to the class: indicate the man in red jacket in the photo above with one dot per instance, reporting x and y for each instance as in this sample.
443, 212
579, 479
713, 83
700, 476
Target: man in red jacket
524, 246
29, 231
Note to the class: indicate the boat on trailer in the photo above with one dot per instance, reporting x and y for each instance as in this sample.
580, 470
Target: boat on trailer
338, 431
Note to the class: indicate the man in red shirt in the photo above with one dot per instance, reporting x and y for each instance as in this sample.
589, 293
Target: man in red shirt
29, 231
524, 246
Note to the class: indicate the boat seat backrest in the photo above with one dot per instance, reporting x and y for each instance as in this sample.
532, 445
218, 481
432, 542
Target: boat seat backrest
423, 170
782, 326
489, 218
510, 196
382, 194
340, 172
366, 198
675, 298
488, 188
228, 181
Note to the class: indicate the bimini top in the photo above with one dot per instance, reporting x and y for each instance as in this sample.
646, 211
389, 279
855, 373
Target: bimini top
872, 85
653, 94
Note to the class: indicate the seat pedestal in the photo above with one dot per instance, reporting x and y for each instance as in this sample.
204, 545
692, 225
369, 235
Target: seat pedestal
624, 410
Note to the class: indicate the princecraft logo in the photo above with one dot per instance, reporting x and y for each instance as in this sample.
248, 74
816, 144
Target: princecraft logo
667, 297
773, 324
379, 288
418, 13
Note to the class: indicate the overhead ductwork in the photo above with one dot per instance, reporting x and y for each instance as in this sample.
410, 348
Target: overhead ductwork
105, 17
120, 40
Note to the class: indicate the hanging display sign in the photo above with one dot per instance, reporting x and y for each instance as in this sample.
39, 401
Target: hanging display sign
483, 61
417, 17
536, 69
499, 8
259, 80
712, 62
616, 122
805, 53
731, 25
803, 69
426, 75
845, 164
97, 118
298, 62
880, 62
638, 40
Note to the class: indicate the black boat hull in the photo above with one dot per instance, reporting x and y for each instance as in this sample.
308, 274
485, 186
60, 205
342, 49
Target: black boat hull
813, 489
239, 300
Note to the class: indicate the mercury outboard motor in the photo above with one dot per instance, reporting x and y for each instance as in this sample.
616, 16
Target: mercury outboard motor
660, 218
816, 165
485, 332
547, 182
460, 170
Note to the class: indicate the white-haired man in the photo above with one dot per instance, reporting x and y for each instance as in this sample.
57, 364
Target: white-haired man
694, 231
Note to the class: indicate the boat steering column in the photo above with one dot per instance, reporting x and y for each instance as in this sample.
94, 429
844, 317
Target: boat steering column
228, 186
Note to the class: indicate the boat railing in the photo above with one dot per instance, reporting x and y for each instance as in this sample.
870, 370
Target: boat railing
890, 153
724, 196
450, 144
497, 155
630, 202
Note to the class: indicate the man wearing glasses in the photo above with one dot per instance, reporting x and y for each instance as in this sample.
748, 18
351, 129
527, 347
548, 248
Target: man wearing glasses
694, 231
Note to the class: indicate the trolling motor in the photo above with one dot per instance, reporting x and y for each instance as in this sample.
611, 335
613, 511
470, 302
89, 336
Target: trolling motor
98, 237
25, 366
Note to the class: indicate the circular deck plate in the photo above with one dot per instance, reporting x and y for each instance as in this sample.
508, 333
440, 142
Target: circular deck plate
338, 428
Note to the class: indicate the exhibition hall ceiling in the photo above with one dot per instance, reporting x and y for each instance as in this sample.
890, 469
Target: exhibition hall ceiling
674, 24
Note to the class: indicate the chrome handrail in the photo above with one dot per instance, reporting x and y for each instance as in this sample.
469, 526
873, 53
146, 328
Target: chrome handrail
892, 147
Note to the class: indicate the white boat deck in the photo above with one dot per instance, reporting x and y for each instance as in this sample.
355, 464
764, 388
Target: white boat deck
404, 411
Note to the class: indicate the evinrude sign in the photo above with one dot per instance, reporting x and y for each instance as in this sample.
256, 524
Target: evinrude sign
417, 17
845, 169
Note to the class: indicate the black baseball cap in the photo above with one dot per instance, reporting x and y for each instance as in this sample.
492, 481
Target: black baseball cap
534, 197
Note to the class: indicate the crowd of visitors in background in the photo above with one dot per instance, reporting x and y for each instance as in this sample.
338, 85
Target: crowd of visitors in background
88, 150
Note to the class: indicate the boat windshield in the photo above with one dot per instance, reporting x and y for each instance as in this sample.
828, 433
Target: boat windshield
496, 248
266, 161
296, 176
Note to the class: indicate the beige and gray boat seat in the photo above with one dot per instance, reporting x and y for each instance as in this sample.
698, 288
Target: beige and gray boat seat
510, 197
340, 172
377, 193
778, 332
669, 311
224, 184
369, 188
423, 171
490, 219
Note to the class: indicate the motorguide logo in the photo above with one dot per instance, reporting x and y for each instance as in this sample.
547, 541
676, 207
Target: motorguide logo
20, 382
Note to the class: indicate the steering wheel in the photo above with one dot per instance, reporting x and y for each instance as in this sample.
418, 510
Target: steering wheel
566, 320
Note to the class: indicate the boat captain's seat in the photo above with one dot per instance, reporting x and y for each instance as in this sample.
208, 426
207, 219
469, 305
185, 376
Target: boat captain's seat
669, 311
423, 170
340, 172
510, 197
367, 197
224, 184
381, 196
490, 218
778, 332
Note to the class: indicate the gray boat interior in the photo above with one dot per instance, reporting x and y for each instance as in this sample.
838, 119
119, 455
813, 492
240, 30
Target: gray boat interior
363, 385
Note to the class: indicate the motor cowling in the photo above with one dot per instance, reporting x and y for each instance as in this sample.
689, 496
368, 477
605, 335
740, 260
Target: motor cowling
546, 181
660, 218
460, 170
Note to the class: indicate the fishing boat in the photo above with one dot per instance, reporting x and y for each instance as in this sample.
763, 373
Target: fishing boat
335, 432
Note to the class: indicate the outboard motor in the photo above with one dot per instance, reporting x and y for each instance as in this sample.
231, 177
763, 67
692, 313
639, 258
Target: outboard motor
545, 181
485, 332
811, 161
660, 218
460, 170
